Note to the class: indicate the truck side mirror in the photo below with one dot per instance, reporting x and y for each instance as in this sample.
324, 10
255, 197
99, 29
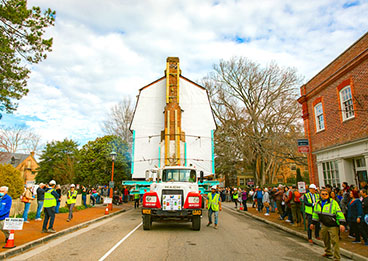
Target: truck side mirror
201, 176
147, 174
159, 174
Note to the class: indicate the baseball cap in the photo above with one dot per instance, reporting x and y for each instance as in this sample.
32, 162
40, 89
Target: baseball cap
312, 186
72, 185
52, 182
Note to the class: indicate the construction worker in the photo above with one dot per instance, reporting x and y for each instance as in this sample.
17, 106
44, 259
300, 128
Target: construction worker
213, 204
327, 211
235, 197
310, 200
71, 200
51, 196
136, 200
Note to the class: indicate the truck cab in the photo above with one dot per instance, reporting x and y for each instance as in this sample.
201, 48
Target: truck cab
174, 196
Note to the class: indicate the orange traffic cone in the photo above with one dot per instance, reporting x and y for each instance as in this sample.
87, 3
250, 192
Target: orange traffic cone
107, 211
10, 242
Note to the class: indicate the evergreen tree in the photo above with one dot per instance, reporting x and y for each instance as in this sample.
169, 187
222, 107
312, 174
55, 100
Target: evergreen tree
58, 161
95, 163
298, 175
21, 42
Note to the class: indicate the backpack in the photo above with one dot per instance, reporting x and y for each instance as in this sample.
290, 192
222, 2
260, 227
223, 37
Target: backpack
297, 196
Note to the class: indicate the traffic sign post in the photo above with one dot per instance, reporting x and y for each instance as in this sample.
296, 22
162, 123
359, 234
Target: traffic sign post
303, 146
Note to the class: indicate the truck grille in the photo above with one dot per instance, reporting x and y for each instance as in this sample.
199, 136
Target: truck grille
173, 192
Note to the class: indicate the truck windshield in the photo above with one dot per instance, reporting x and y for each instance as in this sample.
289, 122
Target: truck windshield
180, 175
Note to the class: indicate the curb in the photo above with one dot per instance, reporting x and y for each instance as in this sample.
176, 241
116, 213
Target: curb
40, 241
344, 252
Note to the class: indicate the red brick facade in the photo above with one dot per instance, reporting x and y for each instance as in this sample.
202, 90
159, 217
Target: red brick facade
350, 68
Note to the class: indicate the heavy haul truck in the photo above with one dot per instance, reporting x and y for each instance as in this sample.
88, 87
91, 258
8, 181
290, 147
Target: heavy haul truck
176, 198
173, 148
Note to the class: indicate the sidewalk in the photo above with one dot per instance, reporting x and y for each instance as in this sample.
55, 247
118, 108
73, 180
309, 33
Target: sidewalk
32, 230
273, 219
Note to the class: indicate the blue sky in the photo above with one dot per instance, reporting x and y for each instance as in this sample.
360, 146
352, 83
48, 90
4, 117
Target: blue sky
106, 50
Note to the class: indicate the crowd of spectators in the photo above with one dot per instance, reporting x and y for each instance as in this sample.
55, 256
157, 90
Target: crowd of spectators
291, 204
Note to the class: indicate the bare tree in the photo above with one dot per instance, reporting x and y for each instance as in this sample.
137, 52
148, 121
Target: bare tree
119, 119
19, 138
256, 112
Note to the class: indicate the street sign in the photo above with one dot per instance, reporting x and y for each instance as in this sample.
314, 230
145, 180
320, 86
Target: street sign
301, 187
250, 183
107, 200
13, 224
303, 146
111, 184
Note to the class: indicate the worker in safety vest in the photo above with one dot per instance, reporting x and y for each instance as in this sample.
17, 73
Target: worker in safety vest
136, 200
71, 200
213, 204
235, 197
327, 211
51, 196
310, 200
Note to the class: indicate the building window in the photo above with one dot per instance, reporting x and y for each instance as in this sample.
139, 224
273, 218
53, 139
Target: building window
331, 173
241, 182
293, 167
347, 106
318, 112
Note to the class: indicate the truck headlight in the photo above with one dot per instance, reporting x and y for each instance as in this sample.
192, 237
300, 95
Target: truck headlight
151, 199
193, 200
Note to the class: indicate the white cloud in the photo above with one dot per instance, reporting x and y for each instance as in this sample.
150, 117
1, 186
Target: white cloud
105, 50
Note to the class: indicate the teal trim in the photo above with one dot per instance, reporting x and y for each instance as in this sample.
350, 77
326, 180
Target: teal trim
213, 151
159, 157
133, 145
185, 154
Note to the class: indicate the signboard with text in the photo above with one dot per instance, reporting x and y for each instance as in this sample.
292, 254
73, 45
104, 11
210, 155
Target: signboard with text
107, 200
13, 224
301, 187
303, 145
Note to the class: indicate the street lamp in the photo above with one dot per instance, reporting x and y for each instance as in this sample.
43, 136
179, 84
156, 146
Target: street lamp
113, 156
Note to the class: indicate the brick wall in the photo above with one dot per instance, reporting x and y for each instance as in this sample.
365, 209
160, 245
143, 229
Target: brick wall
351, 67
336, 131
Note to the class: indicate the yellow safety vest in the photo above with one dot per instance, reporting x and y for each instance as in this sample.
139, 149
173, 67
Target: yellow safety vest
50, 200
308, 209
235, 195
72, 198
330, 214
213, 203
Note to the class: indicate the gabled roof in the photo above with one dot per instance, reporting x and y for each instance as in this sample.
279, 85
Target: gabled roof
12, 158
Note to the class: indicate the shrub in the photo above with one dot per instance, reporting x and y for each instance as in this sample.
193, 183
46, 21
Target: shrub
64, 210
11, 177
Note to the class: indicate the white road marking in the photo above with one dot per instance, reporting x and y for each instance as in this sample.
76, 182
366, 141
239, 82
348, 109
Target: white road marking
118, 244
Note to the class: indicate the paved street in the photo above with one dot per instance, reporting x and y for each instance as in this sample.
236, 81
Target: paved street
238, 237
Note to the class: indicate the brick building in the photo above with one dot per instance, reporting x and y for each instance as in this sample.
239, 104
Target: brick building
335, 114
25, 163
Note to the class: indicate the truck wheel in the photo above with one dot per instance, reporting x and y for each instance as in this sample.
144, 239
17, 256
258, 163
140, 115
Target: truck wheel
196, 223
147, 222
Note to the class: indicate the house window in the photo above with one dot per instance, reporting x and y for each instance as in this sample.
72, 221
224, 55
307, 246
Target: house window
29, 164
318, 112
331, 173
347, 106
293, 167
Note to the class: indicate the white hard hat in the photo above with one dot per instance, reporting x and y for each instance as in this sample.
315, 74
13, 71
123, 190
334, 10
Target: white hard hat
52, 182
72, 185
214, 187
235, 189
312, 186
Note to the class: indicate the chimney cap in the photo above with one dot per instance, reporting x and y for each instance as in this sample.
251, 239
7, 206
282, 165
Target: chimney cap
172, 59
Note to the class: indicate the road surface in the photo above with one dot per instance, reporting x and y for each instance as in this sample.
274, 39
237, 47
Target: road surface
122, 238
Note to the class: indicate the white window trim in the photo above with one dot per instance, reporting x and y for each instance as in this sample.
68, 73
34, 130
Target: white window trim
318, 129
344, 118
